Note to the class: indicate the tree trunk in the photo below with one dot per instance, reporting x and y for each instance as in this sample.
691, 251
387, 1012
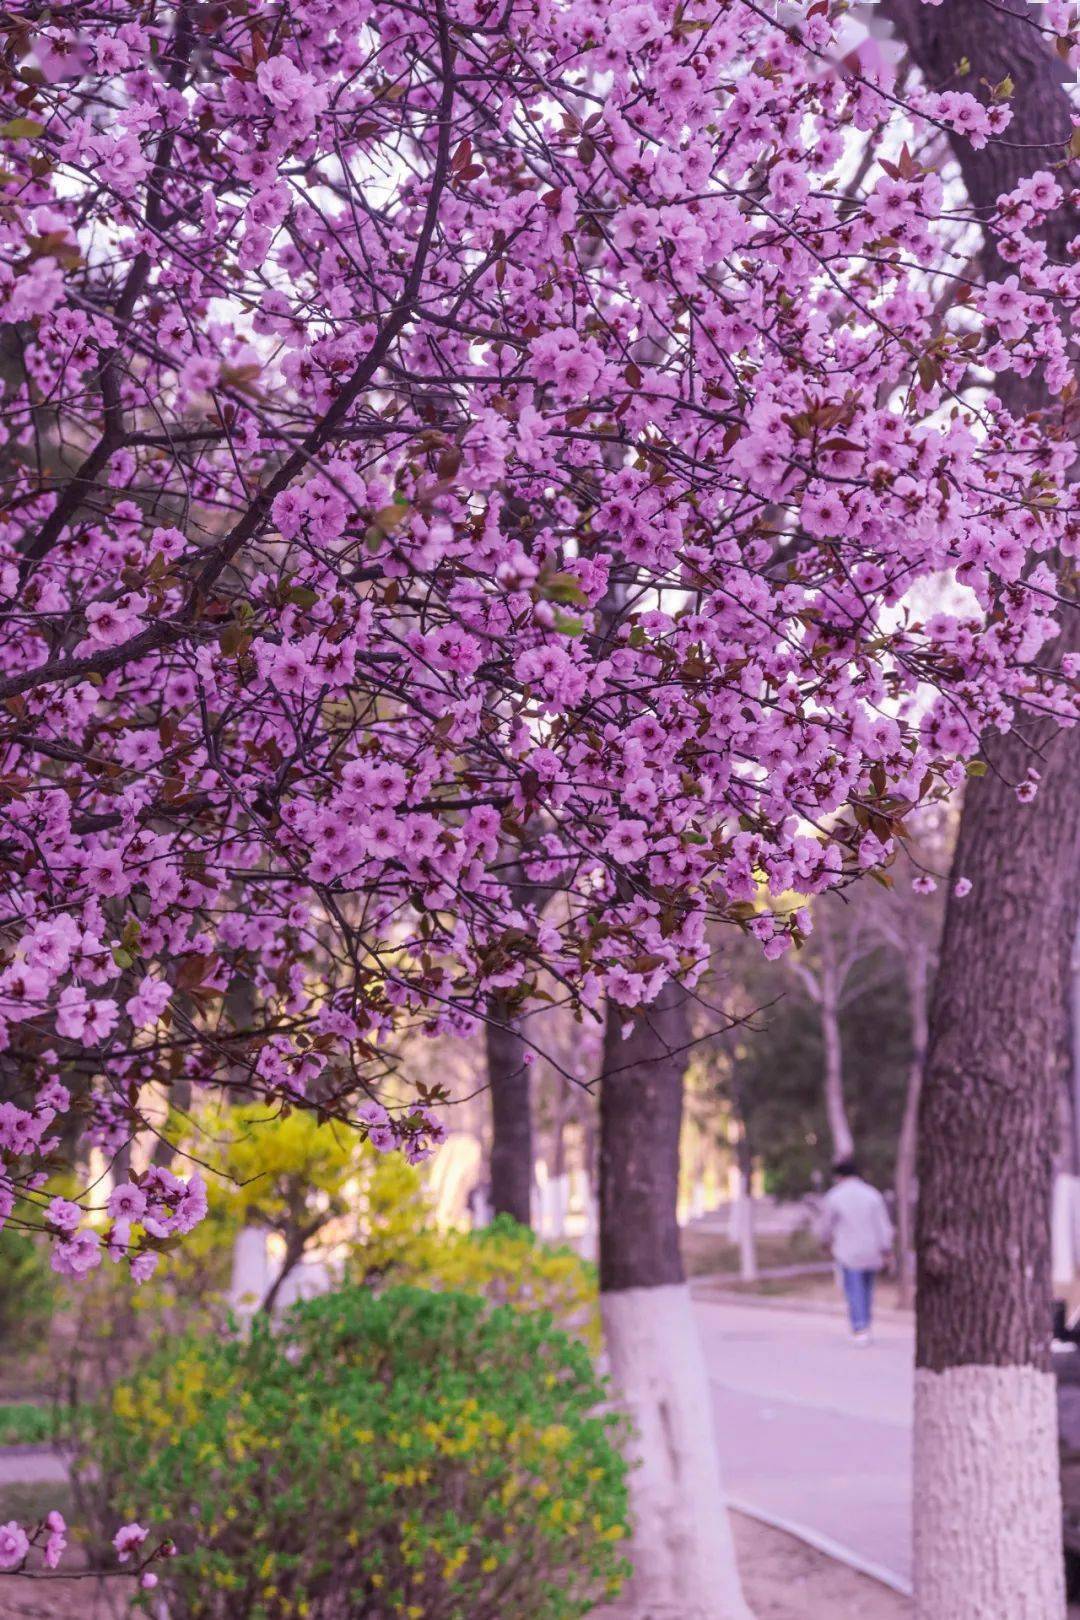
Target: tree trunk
560, 1109
917, 968
843, 1145
681, 1548
1074, 1052
988, 1509
511, 1117
987, 1494
746, 1236
294, 1254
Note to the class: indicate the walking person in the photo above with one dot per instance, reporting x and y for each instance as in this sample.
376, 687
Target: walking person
856, 1225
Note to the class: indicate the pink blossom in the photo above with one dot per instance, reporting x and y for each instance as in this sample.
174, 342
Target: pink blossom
14, 1545
626, 841
126, 1202
78, 1255
128, 1539
572, 507
143, 1266
148, 1003
282, 82
56, 1540
63, 1214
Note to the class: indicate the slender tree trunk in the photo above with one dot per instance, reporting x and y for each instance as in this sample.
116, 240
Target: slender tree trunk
843, 1144
747, 1237
918, 977
987, 1494
681, 1549
559, 1119
511, 1117
294, 1254
1074, 1053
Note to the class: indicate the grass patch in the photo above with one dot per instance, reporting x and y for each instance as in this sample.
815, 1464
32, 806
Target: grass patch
25, 1424
710, 1253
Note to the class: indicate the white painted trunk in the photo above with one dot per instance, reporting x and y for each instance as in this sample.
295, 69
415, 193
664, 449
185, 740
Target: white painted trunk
745, 1236
252, 1272
681, 1546
987, 1495
553, 1200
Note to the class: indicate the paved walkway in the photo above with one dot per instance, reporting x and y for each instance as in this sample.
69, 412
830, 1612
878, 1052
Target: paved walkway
31, 1465
814, 1431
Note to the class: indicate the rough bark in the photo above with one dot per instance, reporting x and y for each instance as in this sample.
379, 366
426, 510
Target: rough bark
997, 1026
1074, 1054
988, 1128
511, 1117
988, 1514
681, 1548
640, 1119
989, 1116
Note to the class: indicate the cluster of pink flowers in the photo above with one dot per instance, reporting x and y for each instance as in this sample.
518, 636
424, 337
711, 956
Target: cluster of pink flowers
491, 431
50, 1536
160, 1206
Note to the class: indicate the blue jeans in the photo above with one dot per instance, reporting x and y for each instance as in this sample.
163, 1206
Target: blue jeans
859, 1290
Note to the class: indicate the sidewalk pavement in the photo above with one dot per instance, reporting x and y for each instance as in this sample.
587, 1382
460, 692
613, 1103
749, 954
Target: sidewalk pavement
814, 1431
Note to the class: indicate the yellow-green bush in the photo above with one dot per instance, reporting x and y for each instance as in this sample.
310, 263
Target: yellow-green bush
283, 1172
503, 1263
292, 1174
393, 1455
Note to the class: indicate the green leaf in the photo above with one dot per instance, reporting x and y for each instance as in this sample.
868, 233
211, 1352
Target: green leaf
563, 588
976, 767
21, 129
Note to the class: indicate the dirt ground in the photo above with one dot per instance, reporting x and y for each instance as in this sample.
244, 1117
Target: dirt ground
65, 1600
787, 1580
784, 1580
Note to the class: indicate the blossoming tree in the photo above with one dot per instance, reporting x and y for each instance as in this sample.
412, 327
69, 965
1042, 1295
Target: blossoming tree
442, 437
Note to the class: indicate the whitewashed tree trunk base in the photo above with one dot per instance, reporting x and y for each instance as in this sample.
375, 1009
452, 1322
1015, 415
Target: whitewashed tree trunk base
252, 1272
681, 1546
987, 1495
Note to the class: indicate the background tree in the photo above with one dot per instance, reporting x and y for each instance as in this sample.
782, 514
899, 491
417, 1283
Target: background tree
777, 1058
908, 915
831, 972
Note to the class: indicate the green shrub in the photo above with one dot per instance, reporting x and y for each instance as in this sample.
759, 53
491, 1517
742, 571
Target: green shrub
395, 1454
27, 1290
503, 1263
23, 1423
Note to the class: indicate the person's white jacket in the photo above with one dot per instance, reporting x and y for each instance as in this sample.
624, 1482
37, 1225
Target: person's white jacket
856, 1224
